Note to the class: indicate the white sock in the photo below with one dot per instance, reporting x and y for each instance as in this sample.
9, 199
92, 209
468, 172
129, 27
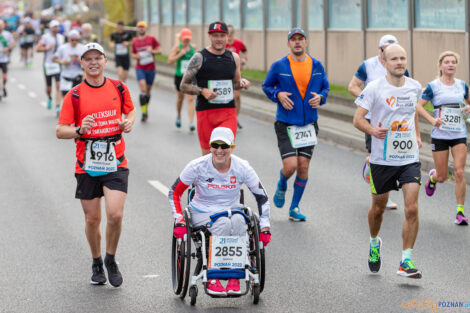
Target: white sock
406, 254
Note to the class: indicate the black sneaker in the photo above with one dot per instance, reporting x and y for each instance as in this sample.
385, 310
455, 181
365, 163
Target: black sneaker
4, 92
98, 277
114, 275
239, 126
144, 118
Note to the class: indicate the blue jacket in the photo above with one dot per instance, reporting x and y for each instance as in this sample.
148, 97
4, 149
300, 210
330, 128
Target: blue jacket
280, 78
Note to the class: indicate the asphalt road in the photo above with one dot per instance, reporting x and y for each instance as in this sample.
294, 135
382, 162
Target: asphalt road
316, 266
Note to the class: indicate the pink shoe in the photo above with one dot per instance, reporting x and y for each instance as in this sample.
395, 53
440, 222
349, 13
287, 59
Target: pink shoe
214, 287
233, 287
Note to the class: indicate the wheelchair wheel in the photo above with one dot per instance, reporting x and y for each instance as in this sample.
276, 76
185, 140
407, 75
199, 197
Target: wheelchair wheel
187, 255
193, 294
262, 271
255, 258
177, 265
256, 292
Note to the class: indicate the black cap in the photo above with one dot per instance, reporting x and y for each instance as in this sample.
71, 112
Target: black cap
120, 23
218, 27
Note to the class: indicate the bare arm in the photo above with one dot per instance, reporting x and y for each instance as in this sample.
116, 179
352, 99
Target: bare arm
188, 85
238, 81
418, 134
354, 86
157, 50
423, 113
363, 125
175, 54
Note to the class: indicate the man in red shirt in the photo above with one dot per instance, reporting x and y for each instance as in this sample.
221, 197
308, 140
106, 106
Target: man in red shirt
144, 48
92, 115
237, 46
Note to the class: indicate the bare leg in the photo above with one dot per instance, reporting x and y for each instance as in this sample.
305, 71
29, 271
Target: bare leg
190, 102
376, 212
459, 153
114, 201
92, 210
411, 223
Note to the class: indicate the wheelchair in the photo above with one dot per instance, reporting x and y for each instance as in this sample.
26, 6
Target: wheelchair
253, 271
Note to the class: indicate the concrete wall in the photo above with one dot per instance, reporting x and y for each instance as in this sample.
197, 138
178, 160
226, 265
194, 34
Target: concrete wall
253, 40
315, 45
344, 55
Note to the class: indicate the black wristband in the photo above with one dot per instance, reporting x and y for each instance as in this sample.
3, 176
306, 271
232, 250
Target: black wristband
180, 225
266, 232
77, 130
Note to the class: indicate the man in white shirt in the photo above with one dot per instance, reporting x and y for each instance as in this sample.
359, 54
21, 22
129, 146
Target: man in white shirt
7, 45
394, 162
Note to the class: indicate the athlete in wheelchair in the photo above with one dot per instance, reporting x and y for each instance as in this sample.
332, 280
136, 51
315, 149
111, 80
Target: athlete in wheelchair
229, 238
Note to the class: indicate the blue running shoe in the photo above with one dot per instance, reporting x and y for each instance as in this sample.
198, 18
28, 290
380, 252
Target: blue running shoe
408, 269
178, 122
279, 198
374, 257
49, 103
295, 215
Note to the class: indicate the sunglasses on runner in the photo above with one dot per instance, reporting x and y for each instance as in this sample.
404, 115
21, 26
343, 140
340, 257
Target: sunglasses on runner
216, 145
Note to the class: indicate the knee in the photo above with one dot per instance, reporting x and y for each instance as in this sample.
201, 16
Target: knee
114, 218
302, 169
238, 225
459, 174
411, 211
289, 168
92, 220
378, 209
440, 177
180, 97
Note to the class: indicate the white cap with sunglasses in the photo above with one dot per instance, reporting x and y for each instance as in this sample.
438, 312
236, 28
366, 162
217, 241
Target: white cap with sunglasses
222, 134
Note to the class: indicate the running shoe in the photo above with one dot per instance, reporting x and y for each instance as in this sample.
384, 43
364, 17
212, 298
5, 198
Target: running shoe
366, 172
214, 287
49, 103
145, 117
192, 127
374, 257
178, 122
460, 219
408, 269
57, 111
233, 287
279, 198
114, 275
391, 205
295, 215
98, 277
429, 186
4, 92
239, 126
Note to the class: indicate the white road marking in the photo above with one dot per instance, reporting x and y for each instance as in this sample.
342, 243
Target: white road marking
43, 103
21, 86
159, 186
151, 276
32, 94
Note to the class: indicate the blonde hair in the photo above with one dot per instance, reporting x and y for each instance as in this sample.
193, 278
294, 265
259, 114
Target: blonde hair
447, 54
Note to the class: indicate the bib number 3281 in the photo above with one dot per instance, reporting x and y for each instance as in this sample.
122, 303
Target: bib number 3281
401, 146
100, 157
302, 136
453, 119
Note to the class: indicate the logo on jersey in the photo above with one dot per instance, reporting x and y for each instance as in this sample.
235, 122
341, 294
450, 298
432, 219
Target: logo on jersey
233, 179
224, 187
391, 101
210, 180
398, 126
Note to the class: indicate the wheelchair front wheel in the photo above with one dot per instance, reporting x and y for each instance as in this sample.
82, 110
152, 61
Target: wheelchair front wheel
193, 294
256, 292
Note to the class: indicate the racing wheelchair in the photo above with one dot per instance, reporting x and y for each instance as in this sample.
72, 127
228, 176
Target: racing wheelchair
208, 265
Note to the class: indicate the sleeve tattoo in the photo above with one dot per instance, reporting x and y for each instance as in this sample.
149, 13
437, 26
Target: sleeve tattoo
189, 82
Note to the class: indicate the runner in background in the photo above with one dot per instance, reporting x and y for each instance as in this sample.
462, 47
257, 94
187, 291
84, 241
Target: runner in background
7, 44
237, 46
120, 42
181, 53
87, 34
27, 37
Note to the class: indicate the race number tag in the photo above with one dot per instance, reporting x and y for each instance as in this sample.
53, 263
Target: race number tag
184, 66
65, 85
224, 89
121, 49
100, 157
29, 38
227, 252
51, 68
302, 136
400, 146
145, 58
452, 118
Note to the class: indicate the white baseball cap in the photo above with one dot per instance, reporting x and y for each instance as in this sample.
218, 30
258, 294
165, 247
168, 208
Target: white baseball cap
54, 23
92, 46
387, 40
223, 134
73, 34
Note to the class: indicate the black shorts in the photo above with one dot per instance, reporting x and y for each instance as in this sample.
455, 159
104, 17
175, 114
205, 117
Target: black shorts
368, 139
178, 80
445, 144
89, 187
285, 146
124, 62
384, 178
49, 79
75, 81
4, 67
27, 46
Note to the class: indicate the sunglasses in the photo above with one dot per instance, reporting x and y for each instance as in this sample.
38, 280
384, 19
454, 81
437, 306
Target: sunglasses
74, 40
216, 145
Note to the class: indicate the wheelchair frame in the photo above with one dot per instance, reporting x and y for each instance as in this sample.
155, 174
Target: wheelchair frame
254, 271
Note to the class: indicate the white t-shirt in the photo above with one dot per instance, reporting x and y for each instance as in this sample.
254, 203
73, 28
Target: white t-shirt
217, 192
389, 105
72, 54
9, 39
47, 39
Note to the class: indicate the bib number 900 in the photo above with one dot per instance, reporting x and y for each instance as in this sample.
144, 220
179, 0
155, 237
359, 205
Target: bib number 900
402, 144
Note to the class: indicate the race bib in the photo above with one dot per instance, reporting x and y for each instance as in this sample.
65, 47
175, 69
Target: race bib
184, 66
302, 136
401, 146
29, 38
100, 157
452, 118
145, 58
121, 49
65, 85
224, 89
227, 252
51, 68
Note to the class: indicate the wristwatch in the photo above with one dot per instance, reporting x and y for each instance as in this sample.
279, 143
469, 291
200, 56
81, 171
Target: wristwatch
77, 130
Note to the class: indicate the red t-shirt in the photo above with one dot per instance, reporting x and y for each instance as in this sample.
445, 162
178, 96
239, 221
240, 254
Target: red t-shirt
140, 45
236, 46
104, 104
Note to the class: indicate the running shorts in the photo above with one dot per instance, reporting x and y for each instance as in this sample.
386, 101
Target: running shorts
123, 61
207, 120
4, 67
384, 178
147, 75
285, 146
178, 80
445, 144
89, 187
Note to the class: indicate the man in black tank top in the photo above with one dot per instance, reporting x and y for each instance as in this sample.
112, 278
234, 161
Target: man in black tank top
213, 74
